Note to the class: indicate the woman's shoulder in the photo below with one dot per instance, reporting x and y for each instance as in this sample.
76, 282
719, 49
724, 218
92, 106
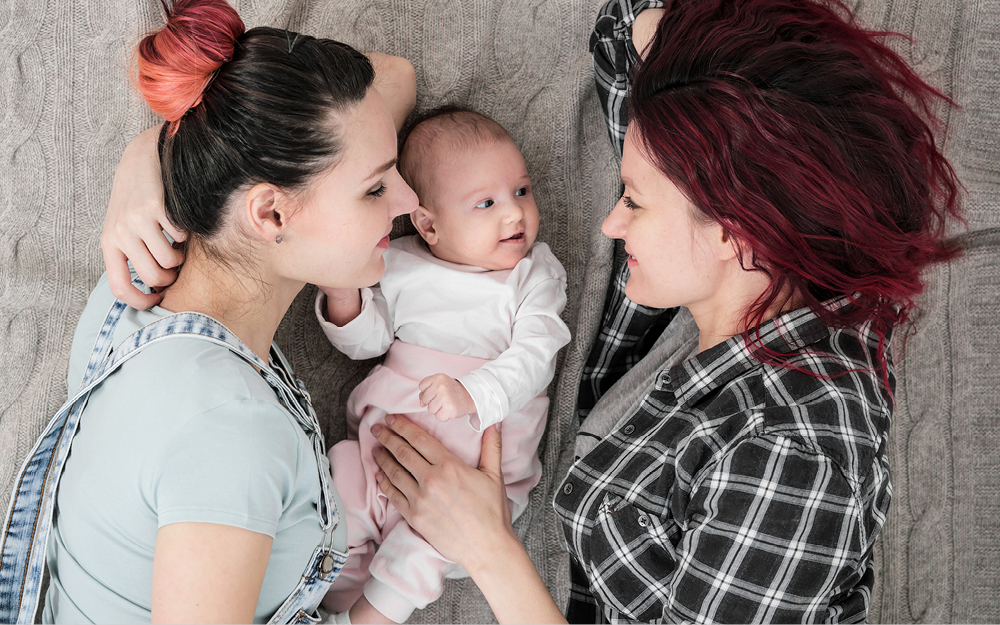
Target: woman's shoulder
827, 399
189, 374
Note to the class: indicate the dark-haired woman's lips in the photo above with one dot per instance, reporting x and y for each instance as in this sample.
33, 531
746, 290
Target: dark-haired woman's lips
631, 262
383, 242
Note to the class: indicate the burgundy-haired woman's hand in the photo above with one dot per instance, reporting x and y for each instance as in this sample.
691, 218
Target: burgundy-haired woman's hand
134, 225
463, 512
460, 510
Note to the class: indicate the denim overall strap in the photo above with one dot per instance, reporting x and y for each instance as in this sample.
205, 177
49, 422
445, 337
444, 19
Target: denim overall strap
26, 529
29, 517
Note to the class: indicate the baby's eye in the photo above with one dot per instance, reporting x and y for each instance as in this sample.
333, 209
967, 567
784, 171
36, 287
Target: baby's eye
521, 192
485, 204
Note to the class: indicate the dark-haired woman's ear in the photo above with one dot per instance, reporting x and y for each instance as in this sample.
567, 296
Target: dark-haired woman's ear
396, 82
267, 208
423, 221
135, 223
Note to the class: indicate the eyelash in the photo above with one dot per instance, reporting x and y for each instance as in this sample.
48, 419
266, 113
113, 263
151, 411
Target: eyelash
629, 204
523, 191
379, 192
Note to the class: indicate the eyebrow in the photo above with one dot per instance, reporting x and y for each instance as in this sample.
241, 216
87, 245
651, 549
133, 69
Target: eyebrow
628, 182
381, 169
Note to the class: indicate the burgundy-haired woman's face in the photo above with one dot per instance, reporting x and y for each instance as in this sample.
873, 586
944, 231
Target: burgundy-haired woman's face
674, 259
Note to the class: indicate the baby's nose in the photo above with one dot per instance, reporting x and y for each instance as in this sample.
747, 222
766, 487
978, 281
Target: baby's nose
514, 213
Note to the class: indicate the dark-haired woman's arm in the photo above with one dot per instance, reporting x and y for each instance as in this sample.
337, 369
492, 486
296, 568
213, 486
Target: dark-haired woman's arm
207, 573
396, 82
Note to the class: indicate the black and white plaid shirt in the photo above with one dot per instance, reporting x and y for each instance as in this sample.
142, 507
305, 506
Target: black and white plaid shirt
738, 491
627, 329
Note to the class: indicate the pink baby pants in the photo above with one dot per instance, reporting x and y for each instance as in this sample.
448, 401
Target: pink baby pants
390, 563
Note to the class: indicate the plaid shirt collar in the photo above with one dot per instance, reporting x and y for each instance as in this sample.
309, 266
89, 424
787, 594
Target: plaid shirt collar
717, 366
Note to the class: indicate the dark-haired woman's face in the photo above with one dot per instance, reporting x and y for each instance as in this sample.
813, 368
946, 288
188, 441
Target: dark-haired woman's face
342, 226
674, 259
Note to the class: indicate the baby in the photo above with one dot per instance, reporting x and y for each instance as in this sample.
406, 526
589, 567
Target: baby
468, 312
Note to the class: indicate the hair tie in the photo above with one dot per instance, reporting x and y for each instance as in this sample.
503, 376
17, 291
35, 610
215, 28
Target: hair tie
291, 42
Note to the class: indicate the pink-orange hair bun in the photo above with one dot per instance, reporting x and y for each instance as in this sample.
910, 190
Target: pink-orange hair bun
177, 62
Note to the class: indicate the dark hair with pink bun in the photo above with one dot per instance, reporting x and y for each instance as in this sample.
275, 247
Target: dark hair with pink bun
175, 64
811, 142
242, 107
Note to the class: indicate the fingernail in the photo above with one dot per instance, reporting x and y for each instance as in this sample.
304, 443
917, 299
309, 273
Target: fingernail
390, 419
378, 477
376, 430
377, 451
499, 425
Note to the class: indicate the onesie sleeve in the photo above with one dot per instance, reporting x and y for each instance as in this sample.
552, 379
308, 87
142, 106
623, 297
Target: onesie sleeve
235, 464
368, 335
507, 383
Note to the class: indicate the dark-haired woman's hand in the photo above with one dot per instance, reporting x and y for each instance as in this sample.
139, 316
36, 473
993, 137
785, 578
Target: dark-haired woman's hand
134, 225
463, 512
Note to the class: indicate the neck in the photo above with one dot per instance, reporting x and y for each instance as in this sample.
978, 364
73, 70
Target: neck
723, 316
251, 306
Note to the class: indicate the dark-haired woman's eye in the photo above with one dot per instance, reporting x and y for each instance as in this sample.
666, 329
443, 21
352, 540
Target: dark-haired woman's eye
521, 192
379, 192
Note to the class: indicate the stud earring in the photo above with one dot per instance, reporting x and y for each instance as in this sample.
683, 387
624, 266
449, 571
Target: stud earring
278, 240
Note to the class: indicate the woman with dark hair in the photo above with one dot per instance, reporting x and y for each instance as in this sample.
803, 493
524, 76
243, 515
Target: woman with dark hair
782, 185
214, 503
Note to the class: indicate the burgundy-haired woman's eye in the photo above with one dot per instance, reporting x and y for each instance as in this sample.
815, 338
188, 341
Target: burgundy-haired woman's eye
629, 204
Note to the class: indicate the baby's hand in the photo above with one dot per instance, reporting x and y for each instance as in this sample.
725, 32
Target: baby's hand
445, 397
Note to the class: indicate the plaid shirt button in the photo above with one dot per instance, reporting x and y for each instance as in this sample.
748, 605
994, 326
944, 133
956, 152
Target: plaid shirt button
628, 429
643, 520
664, 378
568, 489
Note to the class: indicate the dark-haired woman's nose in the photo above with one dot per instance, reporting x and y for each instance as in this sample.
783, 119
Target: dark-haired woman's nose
406, 202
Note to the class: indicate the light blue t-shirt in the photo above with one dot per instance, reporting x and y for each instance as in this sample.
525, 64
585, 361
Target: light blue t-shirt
185, 431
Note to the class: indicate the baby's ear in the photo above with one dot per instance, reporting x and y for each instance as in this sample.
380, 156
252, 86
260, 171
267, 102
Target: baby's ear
423, 221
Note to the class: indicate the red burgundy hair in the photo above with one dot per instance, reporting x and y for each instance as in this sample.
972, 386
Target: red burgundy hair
810, 142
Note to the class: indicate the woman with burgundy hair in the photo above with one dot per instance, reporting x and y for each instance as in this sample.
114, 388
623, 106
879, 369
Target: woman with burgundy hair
782, 185
197, 488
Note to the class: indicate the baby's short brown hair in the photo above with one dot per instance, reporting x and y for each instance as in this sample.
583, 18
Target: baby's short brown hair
447, 126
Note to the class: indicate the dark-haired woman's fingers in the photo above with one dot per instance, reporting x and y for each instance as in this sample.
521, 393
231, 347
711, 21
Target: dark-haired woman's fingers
166, 255
120, 280
134, 224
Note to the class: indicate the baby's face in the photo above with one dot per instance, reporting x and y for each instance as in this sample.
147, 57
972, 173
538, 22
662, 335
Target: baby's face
484, 211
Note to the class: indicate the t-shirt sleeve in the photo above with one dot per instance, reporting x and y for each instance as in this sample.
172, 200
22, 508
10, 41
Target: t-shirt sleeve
233, 465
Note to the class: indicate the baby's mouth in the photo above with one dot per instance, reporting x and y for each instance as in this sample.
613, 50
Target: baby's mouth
513, 239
